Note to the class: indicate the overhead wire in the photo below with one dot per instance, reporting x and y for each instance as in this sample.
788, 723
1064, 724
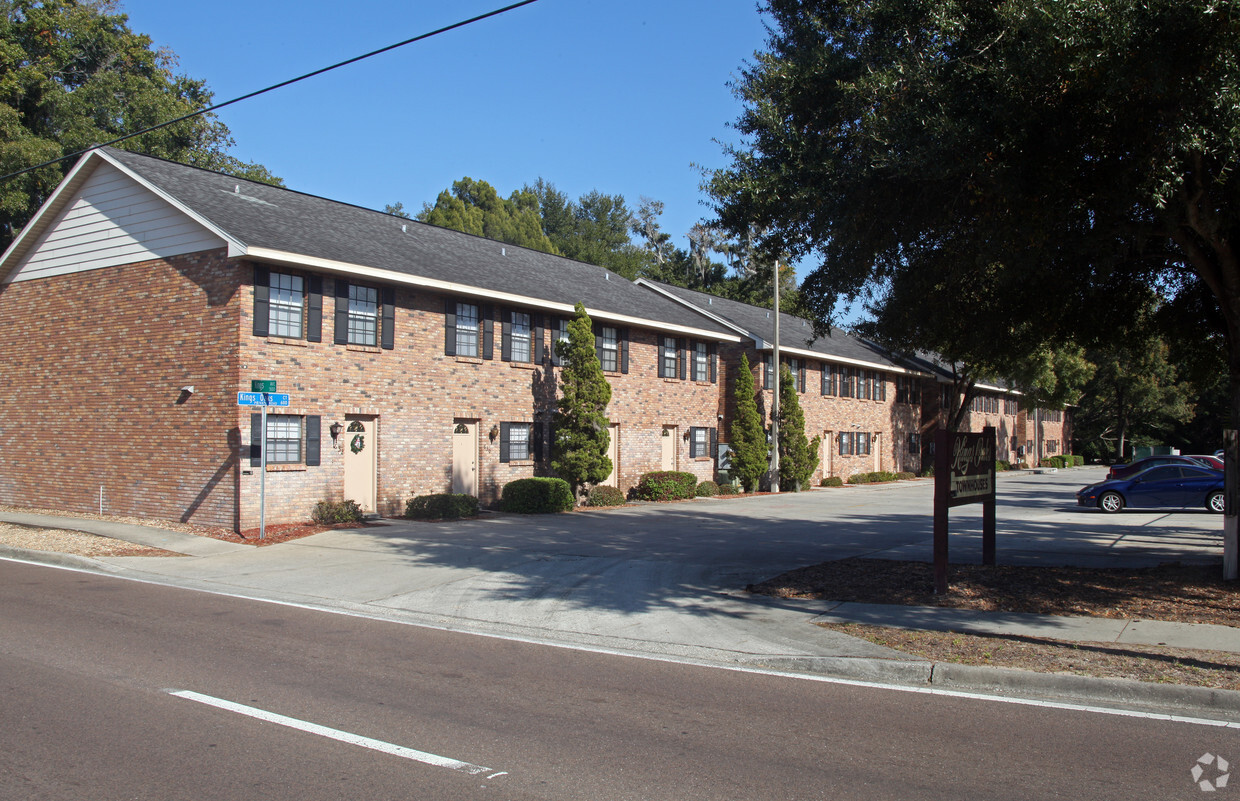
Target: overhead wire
273, 87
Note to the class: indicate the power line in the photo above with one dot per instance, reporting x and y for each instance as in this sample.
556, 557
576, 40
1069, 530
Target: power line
281, 85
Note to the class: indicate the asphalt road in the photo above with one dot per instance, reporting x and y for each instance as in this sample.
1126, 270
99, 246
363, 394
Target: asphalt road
87, 664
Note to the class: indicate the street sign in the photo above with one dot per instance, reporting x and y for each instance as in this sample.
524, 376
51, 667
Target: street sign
262, 399
262, 385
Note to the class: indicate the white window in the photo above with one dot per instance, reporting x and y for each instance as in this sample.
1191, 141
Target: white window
667, 357
283, 439
698, 442
363, 315
466, 329
609, 355
520, 337
286, 305
515, 442
701, 364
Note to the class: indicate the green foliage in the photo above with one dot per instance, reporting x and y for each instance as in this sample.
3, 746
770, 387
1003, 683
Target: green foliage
665, 485
749, 446
706, 489
579, 451
728, 489
1040, 169
594, 229
905, 476
444, 506
331, 512
1078, 460
605, 495
1002, 466
72, 74
476, 208
798, 456
831, 481
876, 477
535, 496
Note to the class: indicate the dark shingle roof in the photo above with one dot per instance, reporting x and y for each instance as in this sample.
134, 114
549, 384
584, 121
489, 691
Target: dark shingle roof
794, 332
263, 216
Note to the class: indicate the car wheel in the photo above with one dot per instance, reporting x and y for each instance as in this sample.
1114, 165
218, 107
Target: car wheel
1216, 502
1111, 502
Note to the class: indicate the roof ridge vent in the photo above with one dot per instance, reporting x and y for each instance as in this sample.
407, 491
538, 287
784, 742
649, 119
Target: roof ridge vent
503, 251
404, 228
606, 276
237, 189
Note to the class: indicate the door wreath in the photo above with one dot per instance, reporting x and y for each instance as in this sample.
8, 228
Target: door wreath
357, 443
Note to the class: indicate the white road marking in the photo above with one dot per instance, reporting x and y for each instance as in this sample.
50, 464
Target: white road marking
334, 734
903, 688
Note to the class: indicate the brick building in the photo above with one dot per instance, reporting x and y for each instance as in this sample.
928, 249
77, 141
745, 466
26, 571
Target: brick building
145, 295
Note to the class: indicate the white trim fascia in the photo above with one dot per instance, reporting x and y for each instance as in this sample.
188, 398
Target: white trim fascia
828, 357
694, 307
281, 257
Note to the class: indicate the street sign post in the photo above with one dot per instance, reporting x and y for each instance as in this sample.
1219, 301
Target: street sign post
262, 394
964, 472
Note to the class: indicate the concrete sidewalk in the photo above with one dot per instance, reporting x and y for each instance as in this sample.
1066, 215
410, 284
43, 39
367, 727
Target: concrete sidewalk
645, 589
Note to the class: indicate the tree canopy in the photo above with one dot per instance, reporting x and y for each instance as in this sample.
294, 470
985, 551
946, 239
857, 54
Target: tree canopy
72, 74
1015, 175
476, 208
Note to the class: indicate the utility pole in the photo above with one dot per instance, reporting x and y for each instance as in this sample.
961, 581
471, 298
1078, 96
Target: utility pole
775, 397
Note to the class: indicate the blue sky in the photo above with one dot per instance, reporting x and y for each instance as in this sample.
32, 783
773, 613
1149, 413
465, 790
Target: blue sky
622, 97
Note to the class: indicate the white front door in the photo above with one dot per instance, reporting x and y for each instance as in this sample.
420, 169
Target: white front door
613, 453
465, 456
828, 442
361, 464
667, 448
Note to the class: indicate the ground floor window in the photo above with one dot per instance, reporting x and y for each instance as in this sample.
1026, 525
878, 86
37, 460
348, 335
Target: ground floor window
283, 439
854, 443
514, 442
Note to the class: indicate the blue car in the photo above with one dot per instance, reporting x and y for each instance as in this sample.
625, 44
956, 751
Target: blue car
1163, 486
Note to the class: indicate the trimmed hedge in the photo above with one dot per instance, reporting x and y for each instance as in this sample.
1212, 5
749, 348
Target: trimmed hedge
444, 506
831, 481
905, 476
665, 485
707, 489
329, 512
537, 496
877, 477
603, 495
729, 489
1078, 460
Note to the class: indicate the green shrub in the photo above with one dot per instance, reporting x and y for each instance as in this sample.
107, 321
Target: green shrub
1078, 460
928, 473
729, 489
665, 485
876, 477
604, 495
905, 476
1001, 466
707, 489
445, 506
329, 512
537, 496
859, 478
831, 481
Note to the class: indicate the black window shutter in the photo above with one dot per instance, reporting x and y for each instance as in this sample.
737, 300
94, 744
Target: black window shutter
825, 375
505, 336
766, 373
684, 359
801, 378
714, 362
537, 440
555, 338
449, 327
262, 298
313, 439
388, 334
488, 332
342, 312
503, 441
693, 442
714, 443
624, 350
256, 439
539, 352
882, 386
314, 309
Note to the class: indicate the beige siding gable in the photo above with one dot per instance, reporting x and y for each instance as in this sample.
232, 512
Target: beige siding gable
113, 220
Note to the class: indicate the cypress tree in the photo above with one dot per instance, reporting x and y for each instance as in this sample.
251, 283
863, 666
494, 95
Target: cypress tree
749, 448
579, 450
797, 455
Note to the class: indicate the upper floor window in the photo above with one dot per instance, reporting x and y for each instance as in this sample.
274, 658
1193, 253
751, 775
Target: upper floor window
904, 389
363, 315
609, 349
521, 337
287, 301
701, 362
667, 357
830, 379
847, 384
466, 329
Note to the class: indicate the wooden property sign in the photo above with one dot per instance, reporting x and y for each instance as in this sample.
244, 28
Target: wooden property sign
964, 472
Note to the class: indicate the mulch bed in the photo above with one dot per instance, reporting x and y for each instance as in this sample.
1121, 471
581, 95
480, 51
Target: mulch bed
1182, 593
281, 532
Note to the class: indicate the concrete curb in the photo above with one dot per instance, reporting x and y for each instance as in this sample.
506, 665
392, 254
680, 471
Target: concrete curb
910, 672
55, 559
1085, 688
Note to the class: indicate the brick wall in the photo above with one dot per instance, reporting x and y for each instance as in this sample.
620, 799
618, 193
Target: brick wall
94, 363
